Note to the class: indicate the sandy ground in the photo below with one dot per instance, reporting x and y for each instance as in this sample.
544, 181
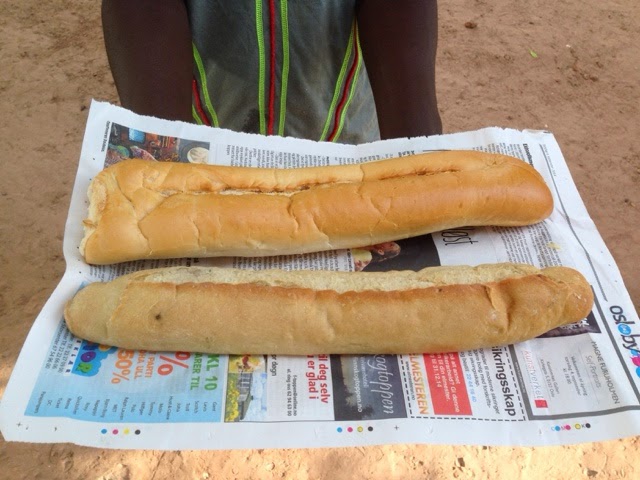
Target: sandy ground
582, 84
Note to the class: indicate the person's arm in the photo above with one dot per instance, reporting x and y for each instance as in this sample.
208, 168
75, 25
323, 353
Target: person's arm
149, 49
399, 41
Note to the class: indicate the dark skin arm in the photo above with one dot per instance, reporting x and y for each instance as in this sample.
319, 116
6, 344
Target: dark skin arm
149, 50
399, 41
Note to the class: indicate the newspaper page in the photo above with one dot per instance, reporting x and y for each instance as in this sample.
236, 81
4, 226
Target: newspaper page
577, 383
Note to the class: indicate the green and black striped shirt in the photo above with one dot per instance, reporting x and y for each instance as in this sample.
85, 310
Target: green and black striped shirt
281, 67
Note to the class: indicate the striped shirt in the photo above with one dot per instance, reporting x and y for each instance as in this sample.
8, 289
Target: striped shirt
281, 67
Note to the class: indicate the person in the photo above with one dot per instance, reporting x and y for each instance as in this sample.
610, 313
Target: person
349, 71
380, 252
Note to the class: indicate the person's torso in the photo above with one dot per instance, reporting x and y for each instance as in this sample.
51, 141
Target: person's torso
281, 67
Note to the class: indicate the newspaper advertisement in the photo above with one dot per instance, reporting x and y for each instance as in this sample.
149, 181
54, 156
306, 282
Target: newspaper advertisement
577, 383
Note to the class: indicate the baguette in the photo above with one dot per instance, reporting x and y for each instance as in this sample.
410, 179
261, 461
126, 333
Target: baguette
143, 209
438, 309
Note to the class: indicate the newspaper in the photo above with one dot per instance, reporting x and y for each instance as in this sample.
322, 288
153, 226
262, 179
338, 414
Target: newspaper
574, 384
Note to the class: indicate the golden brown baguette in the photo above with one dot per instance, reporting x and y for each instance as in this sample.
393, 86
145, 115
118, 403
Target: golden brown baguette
437, 309
144, 209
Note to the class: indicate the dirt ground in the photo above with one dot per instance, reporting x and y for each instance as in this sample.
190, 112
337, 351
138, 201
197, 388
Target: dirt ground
571, 67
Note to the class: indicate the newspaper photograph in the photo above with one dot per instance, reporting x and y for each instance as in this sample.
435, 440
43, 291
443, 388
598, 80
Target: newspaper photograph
576, 383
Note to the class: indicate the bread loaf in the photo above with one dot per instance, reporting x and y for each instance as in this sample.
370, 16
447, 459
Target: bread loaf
144, 209
439, 309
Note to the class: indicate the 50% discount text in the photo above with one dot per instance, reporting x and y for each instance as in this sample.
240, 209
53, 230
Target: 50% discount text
167, 363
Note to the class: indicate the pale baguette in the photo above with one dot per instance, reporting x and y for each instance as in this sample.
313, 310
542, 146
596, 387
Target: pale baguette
143, 209
437, 309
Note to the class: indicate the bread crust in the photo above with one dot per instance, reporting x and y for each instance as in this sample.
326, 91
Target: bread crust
143, 209
438, 309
